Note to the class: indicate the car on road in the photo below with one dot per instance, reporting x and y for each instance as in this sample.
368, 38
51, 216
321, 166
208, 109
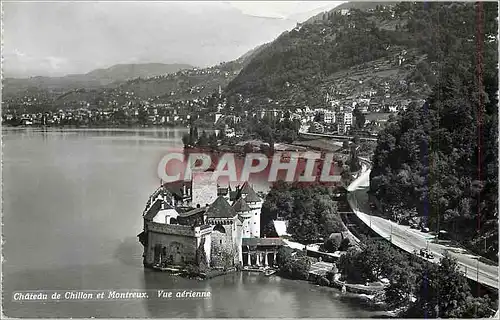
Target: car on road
443, 235
426, 253
373, 206
413, 225
424, 229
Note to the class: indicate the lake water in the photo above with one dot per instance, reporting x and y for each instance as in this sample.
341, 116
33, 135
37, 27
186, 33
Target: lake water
72, 205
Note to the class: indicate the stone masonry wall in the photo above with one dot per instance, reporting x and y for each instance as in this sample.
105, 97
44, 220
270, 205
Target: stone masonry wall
179, 248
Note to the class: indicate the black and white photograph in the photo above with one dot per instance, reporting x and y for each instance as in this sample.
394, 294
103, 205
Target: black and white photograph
249, 159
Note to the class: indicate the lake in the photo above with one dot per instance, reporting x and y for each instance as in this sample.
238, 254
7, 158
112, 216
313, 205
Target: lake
72, 205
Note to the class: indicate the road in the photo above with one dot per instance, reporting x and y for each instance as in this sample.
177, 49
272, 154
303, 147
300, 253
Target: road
409, 239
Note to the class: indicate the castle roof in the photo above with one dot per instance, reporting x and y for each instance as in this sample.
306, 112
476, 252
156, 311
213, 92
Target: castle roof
246, 192
192, 212
245, 188
154, 209
241, 206
252, 196
176, 188
220, 208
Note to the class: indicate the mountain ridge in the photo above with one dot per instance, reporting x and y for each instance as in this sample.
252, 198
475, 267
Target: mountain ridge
94, 78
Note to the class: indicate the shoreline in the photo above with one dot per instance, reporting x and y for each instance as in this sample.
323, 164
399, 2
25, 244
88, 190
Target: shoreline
95, 128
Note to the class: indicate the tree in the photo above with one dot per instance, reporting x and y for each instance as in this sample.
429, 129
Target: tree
428, 153
352, 268
331, 244
376, 259
314, 214
294, 267
283, 256
345, 145
186, 140
346, 176
359, 118
402, 286
444, 292
195, 136
248, 148
344, 244
143, 116
212, 141
300, 268
222, 135
203, 139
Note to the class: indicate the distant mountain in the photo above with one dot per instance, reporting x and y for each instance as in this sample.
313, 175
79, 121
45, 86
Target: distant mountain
183, 84
123, 72
93, 79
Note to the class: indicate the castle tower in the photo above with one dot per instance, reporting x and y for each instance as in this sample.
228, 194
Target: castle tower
204, 190
244, 212
227, 227
254, 202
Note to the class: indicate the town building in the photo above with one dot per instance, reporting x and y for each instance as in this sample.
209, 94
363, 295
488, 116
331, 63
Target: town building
344, 120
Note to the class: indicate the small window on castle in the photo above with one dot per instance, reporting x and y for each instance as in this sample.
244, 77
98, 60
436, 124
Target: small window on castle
220, 241
255, 213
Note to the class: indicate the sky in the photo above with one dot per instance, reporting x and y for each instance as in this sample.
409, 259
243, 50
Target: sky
59, 38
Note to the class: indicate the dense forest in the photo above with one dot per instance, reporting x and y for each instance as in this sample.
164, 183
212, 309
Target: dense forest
439, 160
303, 64
310, 211
299, 63
417, 288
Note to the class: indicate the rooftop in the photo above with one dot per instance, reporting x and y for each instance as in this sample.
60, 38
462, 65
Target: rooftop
262, 242
193, 212
245, 188
241, 206
246, 192
252, 197
220, 208
153, 210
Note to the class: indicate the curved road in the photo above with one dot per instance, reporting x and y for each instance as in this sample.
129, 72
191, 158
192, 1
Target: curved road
409, 239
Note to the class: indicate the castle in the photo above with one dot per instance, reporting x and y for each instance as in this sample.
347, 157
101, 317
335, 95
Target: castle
182, 219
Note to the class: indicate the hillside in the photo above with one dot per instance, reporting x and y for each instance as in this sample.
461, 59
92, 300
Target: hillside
196, 82
92, 79
123, 72
369, 46
438, 160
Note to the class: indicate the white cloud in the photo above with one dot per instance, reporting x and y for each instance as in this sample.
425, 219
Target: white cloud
43, 38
